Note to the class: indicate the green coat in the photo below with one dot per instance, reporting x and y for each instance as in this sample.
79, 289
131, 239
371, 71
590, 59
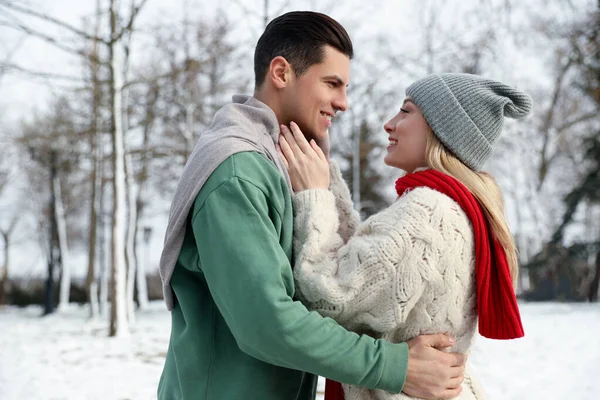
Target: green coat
236, 331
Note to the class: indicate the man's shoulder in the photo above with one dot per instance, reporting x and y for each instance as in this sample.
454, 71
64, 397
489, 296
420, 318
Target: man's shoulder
251, 168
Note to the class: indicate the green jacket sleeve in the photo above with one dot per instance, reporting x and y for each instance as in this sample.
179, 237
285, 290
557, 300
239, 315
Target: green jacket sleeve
247, 272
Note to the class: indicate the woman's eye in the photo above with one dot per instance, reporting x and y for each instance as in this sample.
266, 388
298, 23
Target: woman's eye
403, 110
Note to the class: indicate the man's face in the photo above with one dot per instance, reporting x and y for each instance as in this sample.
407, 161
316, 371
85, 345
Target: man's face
312, 99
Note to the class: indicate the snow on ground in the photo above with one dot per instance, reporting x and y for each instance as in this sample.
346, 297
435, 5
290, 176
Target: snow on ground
66, 357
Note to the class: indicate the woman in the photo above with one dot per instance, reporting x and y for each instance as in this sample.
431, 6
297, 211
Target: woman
441, 258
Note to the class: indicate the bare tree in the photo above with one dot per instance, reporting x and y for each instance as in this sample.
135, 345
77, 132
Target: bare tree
118, 313
131, 231
11, 12
6, 234
6, 231
51, 142
91, 285
199, 80
61, 230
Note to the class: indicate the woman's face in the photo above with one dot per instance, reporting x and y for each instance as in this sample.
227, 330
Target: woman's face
407, 132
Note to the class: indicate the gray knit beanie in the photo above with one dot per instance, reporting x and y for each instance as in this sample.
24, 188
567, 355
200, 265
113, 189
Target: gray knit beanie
466, 112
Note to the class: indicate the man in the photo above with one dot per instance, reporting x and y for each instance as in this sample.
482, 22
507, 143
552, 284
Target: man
236, 331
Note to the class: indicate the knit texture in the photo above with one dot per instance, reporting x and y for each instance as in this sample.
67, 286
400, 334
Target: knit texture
406, 271
497, 308
348, 217
466, 112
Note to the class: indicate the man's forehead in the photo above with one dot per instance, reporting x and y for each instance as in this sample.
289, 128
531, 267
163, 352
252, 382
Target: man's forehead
334, 65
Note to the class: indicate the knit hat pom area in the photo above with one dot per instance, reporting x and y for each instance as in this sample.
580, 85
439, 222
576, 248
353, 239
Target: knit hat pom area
466, 112
519, 105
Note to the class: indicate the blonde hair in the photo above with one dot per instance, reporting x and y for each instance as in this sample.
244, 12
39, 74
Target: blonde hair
483, 186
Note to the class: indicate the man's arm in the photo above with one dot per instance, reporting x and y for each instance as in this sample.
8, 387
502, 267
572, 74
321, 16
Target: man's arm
247, 272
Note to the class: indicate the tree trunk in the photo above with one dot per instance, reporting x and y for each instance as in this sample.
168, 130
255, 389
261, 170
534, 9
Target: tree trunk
130, 246
90, 280
52, 240
130, 257
593, 295
61, 224
4, 278
118, 320
104, 271
130, 240
91, 287
141, 283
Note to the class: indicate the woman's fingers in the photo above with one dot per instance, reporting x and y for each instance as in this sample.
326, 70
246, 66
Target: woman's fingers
298, 143
299, 138
307, 169
282, 156
318, 150
291, 140
285, 148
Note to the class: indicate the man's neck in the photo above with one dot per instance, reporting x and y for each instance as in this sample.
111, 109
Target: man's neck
270, 101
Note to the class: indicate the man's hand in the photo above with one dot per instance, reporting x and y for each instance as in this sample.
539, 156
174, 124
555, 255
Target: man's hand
433, 374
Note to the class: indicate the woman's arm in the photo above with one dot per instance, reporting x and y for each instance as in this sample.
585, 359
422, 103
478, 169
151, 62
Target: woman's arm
348, 216
374, 279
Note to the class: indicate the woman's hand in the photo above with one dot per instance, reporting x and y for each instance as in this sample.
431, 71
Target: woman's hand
305, 162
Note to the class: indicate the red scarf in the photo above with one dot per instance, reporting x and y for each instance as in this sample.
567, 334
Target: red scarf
497, 308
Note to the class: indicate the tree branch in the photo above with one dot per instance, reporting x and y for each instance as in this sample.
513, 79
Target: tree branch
47, 18
8, 67
248, 11
578, 120
9, 56
51, 40
153, 79
549, 118
135, 10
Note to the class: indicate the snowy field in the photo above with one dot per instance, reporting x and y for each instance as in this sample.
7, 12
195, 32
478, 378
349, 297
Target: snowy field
66, 357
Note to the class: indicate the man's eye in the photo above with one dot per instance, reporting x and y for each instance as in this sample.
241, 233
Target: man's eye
403, 110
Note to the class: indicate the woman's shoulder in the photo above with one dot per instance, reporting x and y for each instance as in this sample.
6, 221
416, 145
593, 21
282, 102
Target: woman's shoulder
432, 203
425, 196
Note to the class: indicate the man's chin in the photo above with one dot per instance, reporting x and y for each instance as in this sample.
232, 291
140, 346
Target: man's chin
318, 136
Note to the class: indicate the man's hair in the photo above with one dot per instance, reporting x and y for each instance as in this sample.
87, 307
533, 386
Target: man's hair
299, 37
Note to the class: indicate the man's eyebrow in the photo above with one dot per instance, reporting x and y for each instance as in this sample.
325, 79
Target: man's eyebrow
335, 78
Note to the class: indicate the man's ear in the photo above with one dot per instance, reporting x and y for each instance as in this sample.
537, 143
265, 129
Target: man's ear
280, 72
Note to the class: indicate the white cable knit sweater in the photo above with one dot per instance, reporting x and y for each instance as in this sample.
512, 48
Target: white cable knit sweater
408, 270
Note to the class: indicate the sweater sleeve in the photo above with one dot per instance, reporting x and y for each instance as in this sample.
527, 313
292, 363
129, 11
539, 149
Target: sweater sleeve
246, 270
373, 280
348, 216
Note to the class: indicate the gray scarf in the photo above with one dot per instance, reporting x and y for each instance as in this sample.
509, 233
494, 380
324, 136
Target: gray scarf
247, 124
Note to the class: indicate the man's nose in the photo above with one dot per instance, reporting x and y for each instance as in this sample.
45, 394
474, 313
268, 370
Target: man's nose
341, 103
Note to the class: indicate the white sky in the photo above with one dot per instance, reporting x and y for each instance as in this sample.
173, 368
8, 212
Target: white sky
394, 18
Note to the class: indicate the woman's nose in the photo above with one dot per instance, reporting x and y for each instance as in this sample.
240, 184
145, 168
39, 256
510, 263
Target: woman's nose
389, 127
